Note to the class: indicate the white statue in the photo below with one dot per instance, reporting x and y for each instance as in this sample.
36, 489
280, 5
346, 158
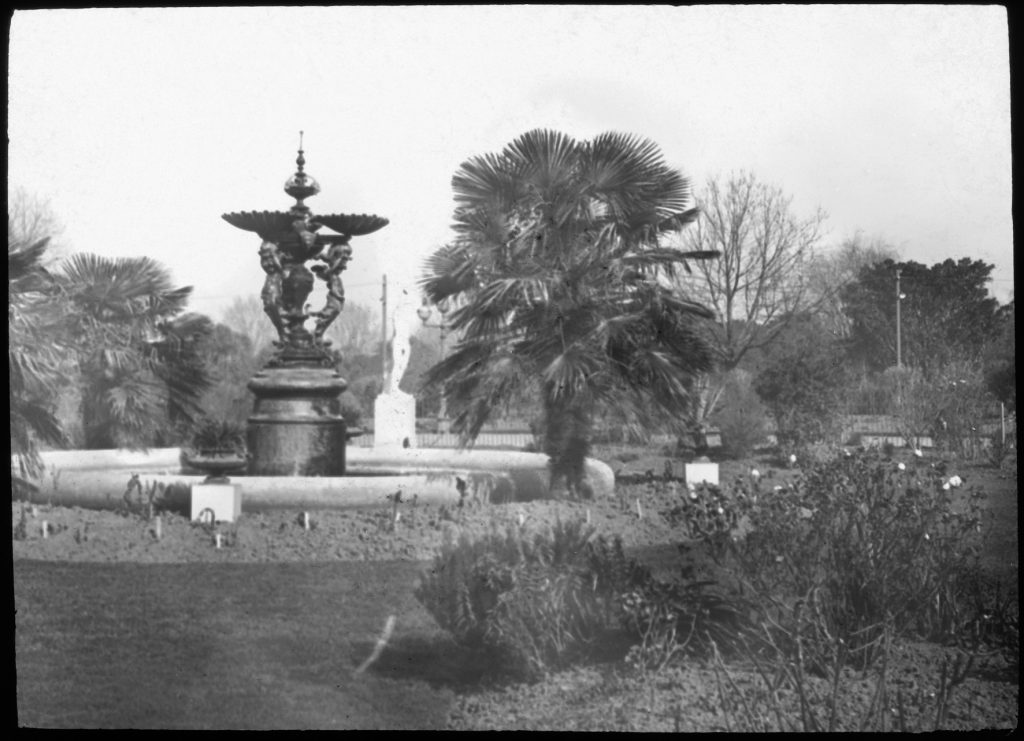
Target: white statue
402, 327
394, 411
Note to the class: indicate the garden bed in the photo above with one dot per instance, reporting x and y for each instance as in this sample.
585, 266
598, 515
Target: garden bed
691, 696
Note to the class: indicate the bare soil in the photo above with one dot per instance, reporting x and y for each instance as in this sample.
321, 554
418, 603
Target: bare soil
686, 697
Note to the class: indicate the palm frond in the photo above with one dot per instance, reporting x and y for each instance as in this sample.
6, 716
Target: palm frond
684, 309
35, 417
477, 378
25, 265
629, 174
448, 271
177, 361
662, 257
486, 183
568, 373
483, 226
36, 352
168, 303
506, 294
678, 221
182, 333
133, 409
121, 289
543, 162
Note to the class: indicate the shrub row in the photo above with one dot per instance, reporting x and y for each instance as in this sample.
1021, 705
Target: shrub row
856, 549
537, 600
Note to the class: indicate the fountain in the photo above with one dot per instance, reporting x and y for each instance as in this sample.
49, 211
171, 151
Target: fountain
296, 435
296, 428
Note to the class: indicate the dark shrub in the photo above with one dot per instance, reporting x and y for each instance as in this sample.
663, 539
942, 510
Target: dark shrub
742, 419
542, 600
532, 600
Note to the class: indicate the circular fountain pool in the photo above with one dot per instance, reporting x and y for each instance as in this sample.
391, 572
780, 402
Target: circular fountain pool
98, 479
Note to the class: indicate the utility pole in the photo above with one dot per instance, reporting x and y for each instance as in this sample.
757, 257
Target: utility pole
443, 412
384, 333
899, 300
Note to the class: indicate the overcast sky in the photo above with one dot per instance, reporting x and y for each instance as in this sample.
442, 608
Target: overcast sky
142, 126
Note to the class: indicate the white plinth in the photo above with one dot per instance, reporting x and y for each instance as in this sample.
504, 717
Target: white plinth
698, 473
394, 420
224, 499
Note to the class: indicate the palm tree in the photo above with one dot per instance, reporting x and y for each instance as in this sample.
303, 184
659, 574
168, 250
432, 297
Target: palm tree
35, 352
138, 361
561, 282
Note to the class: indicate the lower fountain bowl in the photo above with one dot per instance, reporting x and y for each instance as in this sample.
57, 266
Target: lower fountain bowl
96, 479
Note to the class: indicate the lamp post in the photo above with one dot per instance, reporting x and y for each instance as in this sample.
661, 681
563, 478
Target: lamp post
424, 313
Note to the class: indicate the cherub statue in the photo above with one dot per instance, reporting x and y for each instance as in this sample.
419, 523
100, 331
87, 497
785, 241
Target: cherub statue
305, 235
270, 261
336, 260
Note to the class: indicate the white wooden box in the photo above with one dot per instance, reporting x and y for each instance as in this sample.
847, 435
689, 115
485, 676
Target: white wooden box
224, 499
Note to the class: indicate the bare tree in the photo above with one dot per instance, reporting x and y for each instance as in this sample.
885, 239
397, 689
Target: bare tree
356, 331
758, 283
30, 218
245, 315
828, 273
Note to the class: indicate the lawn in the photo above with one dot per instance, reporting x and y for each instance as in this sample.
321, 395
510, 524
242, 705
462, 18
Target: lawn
226, 646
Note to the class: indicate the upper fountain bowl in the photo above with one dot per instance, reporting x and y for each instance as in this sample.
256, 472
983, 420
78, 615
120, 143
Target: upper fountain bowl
273, 225
270, 225
354, 225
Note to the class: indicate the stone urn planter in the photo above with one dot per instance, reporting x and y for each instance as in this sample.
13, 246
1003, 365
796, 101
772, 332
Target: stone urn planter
217, 465
216, 448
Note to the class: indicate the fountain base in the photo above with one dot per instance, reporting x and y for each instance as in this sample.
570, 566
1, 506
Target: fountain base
297, 428
94, 479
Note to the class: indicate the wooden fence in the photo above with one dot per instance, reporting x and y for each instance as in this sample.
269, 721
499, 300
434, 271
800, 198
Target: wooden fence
864, 429
509, 440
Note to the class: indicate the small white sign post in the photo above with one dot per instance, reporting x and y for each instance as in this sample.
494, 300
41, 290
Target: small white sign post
701, 473
225, 500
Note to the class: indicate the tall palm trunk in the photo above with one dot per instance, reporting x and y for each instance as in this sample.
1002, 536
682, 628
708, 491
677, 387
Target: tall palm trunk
97, 432
567, 432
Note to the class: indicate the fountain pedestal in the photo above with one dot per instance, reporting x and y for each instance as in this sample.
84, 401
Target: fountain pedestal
297, 428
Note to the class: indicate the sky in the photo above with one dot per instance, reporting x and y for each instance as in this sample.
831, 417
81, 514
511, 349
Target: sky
140, 127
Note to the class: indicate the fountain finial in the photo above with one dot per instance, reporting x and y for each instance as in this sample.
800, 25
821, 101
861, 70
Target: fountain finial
301, 185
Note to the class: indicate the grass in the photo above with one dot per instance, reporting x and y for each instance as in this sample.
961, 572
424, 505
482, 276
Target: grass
228, 646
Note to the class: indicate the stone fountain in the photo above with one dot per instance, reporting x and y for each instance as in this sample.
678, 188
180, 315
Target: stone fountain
296, 435
296, 428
